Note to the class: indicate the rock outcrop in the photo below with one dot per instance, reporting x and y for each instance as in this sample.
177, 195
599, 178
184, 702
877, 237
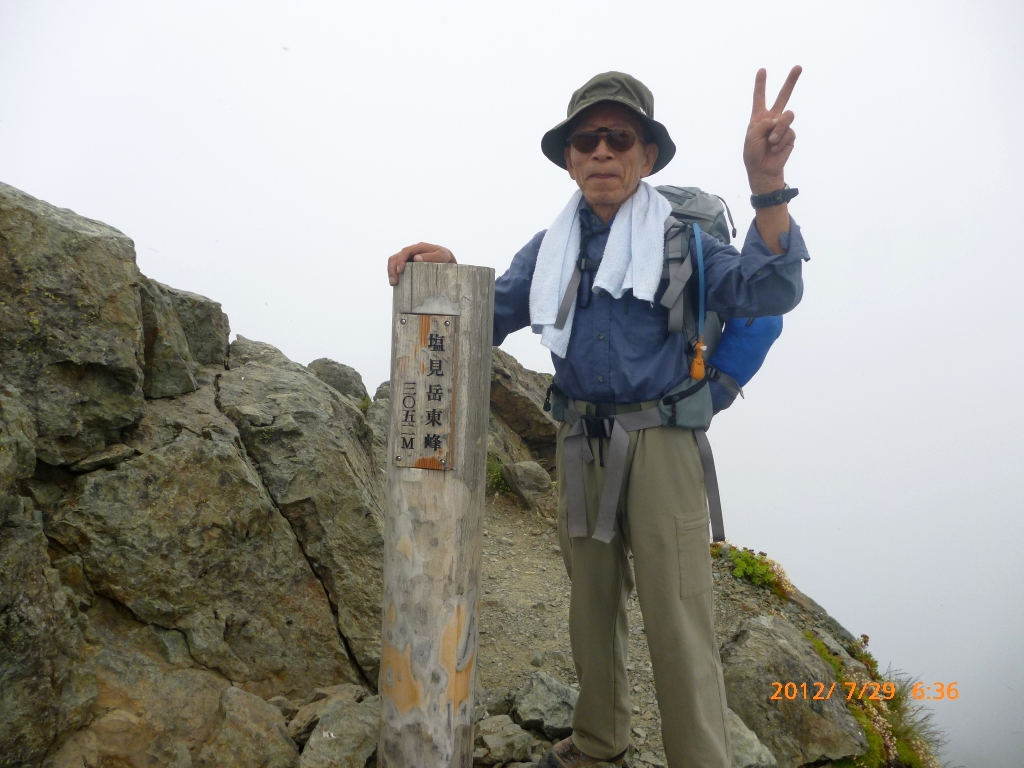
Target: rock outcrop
517, 399
532, 486
249, 732
314, 452
70, 325
187, 537
546, 705
174, 549
167, 365
343, 378
204, 323
46, 683
377, 415
345, 736
798, 731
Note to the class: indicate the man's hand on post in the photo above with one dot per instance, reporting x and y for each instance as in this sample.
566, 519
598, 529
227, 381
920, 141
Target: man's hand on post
766, 148
418, 252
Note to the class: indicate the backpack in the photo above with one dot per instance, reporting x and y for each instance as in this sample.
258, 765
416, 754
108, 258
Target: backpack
726, 355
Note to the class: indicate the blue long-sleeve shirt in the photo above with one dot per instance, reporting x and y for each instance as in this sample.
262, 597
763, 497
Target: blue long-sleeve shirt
620, 350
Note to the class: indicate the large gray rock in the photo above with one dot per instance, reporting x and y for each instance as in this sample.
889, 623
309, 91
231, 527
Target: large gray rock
156, 706
250, 733
517, 396
315, 454
532, 486
305, 719
854, 669
204, 323
544, 704
502, 741
493, 701
503, 441
767, 649
168, 367
45, 688
345, 379
186, 537
746, 749
345, 737
70, 325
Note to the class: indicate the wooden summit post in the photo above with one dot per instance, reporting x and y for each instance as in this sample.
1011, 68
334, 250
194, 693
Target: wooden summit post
440, 393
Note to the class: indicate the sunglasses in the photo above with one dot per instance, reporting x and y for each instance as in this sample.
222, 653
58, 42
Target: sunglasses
619, 139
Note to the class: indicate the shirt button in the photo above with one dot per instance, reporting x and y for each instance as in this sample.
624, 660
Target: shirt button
600, 378
600, 336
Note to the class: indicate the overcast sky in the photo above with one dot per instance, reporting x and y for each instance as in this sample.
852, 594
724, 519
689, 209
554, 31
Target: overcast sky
272, 155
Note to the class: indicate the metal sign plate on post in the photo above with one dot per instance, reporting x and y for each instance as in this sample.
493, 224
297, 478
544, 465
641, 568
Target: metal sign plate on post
425, 370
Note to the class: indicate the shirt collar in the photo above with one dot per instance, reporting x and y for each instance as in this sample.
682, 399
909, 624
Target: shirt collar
590, 223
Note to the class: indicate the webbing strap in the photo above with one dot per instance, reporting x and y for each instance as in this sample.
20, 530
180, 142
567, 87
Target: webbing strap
707, 460
728, 382
568, 298
577, 451
678, 269
700, 280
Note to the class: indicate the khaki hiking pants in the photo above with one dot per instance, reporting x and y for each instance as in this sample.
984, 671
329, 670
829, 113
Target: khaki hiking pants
663, 520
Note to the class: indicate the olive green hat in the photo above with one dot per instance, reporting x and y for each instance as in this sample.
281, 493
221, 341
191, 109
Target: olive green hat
622, 89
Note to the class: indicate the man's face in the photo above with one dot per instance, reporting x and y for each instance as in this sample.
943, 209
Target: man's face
606, 177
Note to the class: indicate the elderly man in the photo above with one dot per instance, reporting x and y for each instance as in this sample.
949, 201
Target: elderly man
614, 358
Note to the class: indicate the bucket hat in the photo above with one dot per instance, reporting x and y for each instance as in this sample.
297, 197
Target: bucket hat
622, 89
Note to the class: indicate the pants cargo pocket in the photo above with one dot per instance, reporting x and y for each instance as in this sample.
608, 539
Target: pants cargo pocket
694, 557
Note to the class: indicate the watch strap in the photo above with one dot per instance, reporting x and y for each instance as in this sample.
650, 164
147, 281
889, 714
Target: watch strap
778, 197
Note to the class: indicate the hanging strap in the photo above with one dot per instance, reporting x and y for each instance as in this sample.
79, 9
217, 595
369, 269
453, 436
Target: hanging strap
707, 461
577, 451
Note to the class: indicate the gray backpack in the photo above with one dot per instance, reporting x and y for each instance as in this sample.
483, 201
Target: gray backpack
684, 299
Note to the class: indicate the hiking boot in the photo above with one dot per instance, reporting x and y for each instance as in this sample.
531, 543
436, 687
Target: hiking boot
565, 754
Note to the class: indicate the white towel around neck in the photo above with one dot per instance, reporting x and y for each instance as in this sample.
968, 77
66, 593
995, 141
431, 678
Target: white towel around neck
633, 260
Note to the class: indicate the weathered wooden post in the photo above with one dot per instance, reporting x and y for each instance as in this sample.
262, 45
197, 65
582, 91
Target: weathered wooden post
440, 385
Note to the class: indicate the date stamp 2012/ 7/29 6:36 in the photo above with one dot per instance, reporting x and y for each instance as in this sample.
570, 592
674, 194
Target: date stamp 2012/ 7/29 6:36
816, 691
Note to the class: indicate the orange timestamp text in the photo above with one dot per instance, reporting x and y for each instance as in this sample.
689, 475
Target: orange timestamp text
870, 690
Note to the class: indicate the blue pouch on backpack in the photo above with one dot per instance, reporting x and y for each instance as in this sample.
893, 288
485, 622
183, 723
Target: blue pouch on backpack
740, 353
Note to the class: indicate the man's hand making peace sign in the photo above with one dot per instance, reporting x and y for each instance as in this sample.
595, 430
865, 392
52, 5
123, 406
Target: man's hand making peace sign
766, 148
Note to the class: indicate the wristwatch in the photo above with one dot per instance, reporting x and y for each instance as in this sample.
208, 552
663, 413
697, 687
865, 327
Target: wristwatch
778, 197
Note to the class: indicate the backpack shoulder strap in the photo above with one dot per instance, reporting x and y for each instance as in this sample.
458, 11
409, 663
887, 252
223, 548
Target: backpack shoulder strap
678, 269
